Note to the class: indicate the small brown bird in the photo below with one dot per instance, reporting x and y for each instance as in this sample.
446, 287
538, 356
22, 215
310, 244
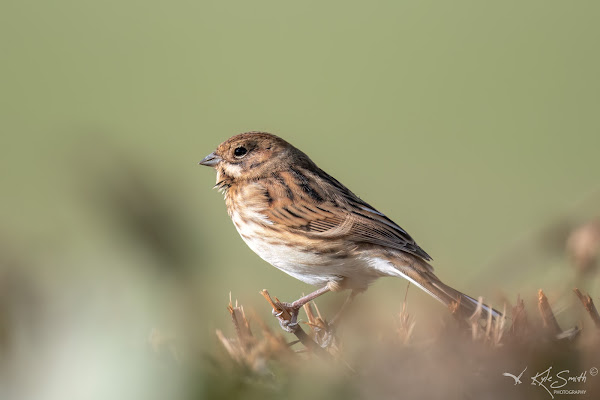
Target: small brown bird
300, 219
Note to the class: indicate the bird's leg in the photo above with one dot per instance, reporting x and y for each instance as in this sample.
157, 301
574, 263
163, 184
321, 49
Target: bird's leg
297, 305
294, 309
327, 337
344, 307
323, 332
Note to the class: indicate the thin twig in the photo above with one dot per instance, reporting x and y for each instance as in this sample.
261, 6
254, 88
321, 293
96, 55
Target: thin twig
588, 303
314, 321
406, 323
233, 352
520, 324
547, 314
238, 318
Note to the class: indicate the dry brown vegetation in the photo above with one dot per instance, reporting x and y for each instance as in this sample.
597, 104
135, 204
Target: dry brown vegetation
523, 354
462, 360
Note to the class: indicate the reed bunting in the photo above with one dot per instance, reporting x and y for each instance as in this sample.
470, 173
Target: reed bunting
303, 221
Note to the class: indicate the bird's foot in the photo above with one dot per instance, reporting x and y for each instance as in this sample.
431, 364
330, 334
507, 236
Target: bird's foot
288, 326
287, 311
324, 334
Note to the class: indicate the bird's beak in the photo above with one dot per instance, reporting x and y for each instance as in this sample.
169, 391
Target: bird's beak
211, 160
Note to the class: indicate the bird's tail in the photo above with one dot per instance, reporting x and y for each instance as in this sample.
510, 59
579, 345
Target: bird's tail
463, 304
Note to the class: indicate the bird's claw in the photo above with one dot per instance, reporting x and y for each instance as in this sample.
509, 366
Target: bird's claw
288, 326
324, 335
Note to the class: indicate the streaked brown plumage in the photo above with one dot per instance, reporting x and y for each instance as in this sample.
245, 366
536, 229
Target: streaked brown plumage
303, 221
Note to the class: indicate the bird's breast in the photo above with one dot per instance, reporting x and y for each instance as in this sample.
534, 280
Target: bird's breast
315, 262
309, 258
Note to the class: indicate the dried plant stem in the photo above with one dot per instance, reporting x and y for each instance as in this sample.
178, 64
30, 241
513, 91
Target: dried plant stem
588, 303
547, 314
406, 323
231, 350
499, 327
238, 318
314, 321
519, 318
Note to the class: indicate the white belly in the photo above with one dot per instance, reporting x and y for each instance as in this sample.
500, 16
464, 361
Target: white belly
307, 266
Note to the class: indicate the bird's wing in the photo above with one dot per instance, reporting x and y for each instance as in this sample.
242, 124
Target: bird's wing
320, 206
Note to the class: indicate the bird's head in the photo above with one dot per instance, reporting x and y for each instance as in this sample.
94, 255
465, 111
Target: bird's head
252, 155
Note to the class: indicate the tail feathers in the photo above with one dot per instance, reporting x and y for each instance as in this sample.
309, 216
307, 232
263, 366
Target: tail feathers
447, 295
466, 304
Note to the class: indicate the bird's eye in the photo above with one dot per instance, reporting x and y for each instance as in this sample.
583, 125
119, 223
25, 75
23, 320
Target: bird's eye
240, 152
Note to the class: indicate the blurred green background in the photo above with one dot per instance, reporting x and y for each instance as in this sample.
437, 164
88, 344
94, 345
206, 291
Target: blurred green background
474, 125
